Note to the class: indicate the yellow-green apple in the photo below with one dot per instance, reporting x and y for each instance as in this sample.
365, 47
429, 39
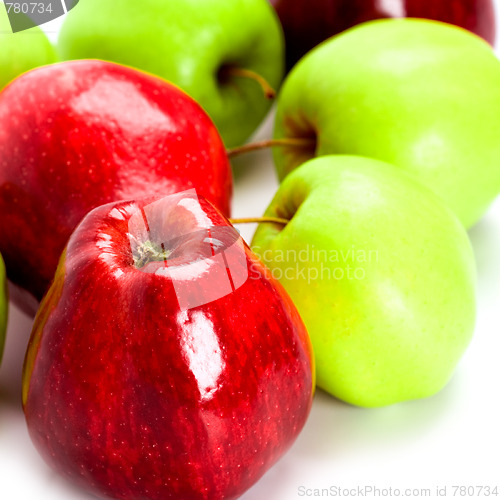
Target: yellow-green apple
200, 46
165, 361
78, 134
20, 52
381, 272
306, 23
419, 94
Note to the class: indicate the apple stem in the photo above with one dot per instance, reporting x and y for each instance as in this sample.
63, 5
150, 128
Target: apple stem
234, 71
270, 143
150, 252
259, 220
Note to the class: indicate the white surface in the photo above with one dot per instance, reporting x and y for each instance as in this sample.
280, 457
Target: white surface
450, 439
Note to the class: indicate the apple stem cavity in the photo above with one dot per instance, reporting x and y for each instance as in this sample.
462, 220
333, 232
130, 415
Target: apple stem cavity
228, 72
148, 252
298, 142
259, 220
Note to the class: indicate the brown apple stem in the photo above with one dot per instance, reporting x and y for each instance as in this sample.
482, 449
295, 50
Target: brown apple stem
297, 142
235, 71
259, 220
150, 252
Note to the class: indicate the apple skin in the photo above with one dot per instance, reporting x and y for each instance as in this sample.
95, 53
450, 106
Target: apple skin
394, 310
418, 94
80, 134
4, 306
188, 42
20, 52
308, 23
131, 395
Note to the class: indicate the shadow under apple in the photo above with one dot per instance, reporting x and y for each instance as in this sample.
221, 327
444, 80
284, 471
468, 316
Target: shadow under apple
17, 337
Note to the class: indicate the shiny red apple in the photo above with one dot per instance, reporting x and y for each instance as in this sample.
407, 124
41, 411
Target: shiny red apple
77, 135
165, 361
308, 22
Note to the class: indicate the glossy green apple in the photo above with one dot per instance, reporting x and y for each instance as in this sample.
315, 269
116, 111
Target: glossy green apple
382, 273
422, 95
191, 43
21, 51
4, 302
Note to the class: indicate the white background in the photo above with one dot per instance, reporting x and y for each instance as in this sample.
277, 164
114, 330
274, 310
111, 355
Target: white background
450, 439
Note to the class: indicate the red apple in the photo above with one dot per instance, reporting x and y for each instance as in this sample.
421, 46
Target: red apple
80, 134
165, 361
308, 22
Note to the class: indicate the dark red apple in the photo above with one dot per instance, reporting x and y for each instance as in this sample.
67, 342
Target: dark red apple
165, 361
80, 134
308, 22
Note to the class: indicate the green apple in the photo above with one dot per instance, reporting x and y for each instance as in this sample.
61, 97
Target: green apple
22, 51
419, 94
192, 43
4, 302
382, 273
